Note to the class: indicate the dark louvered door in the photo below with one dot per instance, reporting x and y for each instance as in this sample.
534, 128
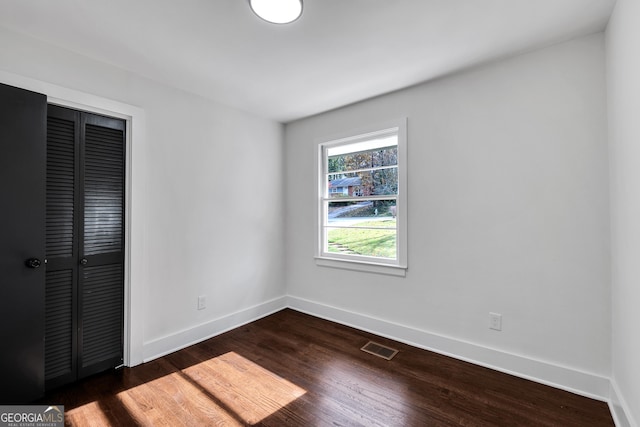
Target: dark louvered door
101, 244
61, 344
85, 244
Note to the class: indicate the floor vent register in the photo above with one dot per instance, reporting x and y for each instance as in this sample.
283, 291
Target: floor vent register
379, 350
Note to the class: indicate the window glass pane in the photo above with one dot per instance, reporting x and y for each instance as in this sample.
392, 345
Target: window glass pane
362, 241
385, 156
386, 138
379, 182
370, 213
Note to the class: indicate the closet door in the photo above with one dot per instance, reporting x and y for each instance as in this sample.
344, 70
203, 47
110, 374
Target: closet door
85, 244
63, 197
22, 246
101, 290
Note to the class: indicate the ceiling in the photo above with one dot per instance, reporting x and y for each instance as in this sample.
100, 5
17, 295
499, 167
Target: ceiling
337, 53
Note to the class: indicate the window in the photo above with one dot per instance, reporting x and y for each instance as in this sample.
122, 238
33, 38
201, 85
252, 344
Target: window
361, 202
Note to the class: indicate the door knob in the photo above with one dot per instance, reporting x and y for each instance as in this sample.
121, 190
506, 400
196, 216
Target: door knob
83, 261
33, 263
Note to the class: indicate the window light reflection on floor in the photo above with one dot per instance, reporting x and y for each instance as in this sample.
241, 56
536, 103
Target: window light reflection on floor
88, 414
243, 387
228, 389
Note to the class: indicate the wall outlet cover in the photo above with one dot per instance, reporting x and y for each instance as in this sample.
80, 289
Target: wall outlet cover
495, 321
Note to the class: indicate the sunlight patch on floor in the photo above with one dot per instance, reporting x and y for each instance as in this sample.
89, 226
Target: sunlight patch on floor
226, 390
243, 387
89, 414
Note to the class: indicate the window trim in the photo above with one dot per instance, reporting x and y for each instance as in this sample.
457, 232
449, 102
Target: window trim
395, 267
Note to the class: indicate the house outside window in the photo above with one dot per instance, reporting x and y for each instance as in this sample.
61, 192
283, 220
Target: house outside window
362, 200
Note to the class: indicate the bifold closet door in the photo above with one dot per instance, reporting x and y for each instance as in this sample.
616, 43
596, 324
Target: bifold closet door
63, 197
101, 244
84, 244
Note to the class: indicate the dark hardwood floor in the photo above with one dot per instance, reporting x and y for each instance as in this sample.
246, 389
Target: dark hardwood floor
291, 369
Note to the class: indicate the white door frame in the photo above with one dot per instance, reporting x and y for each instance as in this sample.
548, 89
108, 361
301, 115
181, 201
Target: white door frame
135, 276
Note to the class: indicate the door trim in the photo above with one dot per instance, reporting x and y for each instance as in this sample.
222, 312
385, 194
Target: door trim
135, 275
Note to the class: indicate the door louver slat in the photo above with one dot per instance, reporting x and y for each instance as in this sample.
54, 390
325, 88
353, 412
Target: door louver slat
104, 176
60, 187
102, 313
59, 323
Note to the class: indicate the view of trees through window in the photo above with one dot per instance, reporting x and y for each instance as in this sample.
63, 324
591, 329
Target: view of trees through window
361, 181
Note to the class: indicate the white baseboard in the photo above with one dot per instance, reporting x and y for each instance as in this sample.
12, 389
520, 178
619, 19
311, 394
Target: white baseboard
561, 377
179, 340
582, 383
619, 409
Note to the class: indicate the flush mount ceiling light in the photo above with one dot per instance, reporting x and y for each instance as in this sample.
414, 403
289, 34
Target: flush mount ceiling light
277, 11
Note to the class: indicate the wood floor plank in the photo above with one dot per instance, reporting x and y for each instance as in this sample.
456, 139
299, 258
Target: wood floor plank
292, 369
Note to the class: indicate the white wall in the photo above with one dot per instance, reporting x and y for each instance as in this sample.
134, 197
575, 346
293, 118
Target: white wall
207, 192
623, 84
508, 212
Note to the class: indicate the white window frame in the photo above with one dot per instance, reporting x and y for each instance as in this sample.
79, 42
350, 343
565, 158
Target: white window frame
395, 267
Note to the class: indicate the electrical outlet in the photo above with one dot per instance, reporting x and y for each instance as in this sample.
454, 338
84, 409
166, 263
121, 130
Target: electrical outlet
202, 302
495, 321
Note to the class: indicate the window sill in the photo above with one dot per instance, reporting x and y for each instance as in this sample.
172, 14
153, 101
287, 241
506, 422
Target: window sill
367, 267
